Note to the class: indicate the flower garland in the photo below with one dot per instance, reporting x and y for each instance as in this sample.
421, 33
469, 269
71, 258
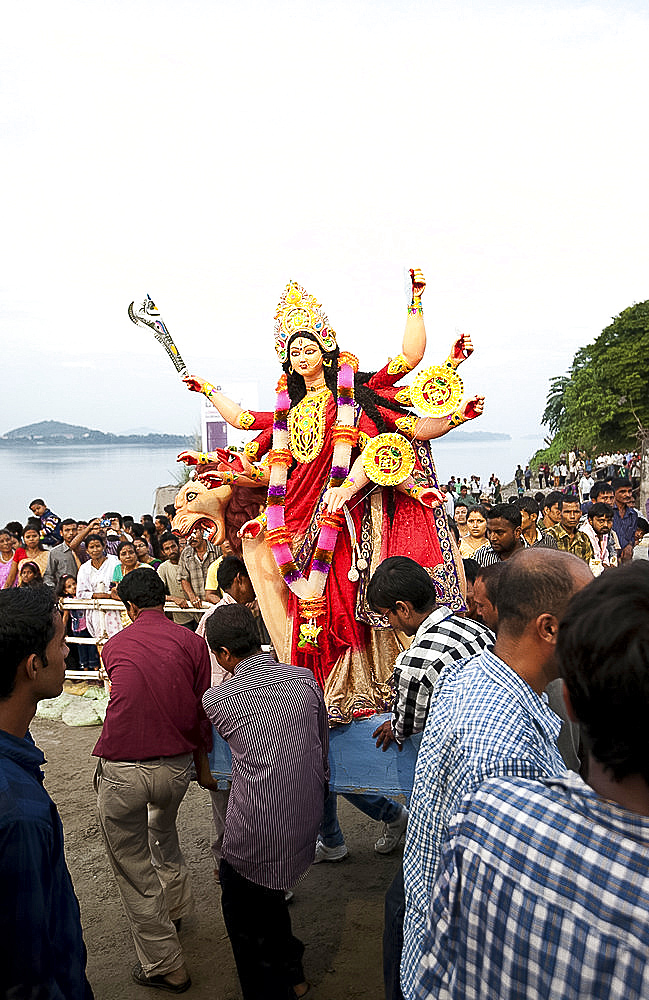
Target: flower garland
309, 591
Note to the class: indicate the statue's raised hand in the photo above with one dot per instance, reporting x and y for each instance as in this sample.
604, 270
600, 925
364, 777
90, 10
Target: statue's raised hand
194, 383
472, 408
461, 350
189, 457
418, 282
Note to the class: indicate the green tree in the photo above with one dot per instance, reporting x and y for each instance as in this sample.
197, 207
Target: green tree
604, 400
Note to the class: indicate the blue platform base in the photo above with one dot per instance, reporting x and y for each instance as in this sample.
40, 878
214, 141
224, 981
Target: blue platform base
356, 764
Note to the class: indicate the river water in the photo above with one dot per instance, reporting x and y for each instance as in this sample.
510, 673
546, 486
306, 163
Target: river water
86, 480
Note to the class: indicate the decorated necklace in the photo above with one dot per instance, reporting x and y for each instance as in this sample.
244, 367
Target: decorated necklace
312, 603
306, 426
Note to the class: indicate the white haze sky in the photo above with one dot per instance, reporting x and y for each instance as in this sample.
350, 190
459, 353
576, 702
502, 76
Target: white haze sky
206, 152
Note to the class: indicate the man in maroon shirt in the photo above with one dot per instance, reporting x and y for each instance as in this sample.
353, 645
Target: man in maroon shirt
155, 725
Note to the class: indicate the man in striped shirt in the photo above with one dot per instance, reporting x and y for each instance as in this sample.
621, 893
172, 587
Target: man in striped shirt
543, 888
274, 719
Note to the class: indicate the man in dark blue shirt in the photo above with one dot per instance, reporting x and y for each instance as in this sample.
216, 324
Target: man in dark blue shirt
43, 954
625, 517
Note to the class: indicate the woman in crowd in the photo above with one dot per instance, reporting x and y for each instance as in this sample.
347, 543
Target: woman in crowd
34, 549
94, 580
142, 552
477, 524
8, 564
129, 559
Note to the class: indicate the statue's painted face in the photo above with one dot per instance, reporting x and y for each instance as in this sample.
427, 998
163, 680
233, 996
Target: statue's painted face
305, 357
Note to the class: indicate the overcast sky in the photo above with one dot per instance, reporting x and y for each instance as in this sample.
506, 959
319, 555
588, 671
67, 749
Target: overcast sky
206, 152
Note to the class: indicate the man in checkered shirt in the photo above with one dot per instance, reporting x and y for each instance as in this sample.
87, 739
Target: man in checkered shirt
488, 717
543, 886
402, 591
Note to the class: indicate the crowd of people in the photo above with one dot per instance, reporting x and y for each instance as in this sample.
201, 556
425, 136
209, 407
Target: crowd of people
525, 869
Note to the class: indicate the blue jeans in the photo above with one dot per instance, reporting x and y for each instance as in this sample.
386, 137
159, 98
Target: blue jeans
376, 806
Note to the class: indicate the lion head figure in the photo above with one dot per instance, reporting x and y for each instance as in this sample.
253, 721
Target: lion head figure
198, 506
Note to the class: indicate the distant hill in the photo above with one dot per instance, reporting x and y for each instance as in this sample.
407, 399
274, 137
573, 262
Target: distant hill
50, 428
52, 432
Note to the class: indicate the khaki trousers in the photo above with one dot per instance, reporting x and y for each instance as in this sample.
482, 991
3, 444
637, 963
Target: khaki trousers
138, 803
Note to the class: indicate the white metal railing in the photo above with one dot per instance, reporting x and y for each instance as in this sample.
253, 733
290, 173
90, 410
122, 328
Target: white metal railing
102, 605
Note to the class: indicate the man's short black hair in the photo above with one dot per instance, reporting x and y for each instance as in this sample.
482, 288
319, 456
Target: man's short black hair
601, 486
600, 510
508, 512
26, 627
68, 520
229, 569
528, 504
110, 515
552, 498
401, 579
643, 524
168, 536
603, 653
569, 498
490, 576
233, 627
471, 569
535, 581
143, 588
620, 482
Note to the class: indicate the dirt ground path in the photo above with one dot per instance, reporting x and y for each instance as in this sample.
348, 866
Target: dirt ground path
337, 912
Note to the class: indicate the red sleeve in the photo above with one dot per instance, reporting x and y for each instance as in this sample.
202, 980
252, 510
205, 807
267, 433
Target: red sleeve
385, 378
263, 419
19, 554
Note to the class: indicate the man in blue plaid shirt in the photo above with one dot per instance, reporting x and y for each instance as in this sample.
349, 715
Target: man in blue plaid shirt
488, 717
543, 888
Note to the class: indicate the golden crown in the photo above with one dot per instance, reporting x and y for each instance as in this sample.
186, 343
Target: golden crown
297, 311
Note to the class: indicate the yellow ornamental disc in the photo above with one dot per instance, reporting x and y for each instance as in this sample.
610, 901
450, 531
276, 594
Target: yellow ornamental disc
388, 459
437, 391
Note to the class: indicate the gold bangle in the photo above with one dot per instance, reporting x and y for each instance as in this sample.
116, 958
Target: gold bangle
457, 418
203, 458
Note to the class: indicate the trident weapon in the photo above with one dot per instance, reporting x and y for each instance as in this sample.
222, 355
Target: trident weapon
147, 314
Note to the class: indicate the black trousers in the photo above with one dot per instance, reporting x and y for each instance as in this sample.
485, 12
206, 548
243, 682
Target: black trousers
268, 957
395, 910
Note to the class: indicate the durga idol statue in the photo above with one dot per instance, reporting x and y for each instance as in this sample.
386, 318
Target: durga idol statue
351, 480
